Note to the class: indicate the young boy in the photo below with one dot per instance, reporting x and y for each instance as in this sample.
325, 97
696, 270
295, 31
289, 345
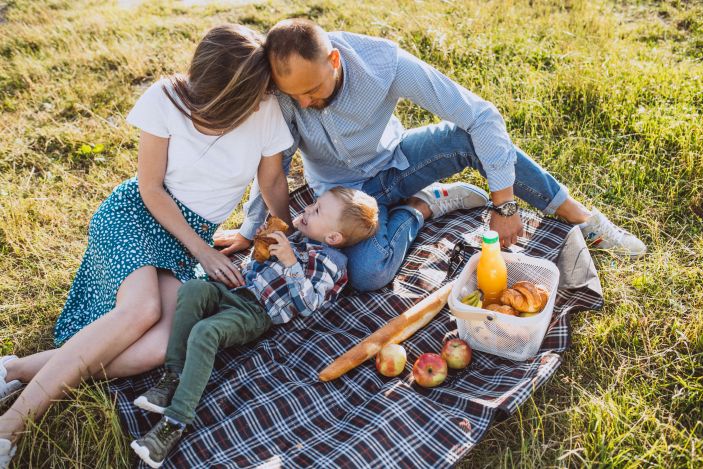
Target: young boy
306, 272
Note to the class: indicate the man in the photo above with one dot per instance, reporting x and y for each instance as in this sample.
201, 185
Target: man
338, 92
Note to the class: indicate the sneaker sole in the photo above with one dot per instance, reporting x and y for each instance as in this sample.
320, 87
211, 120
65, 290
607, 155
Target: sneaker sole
143, 453
143, 403
620, 255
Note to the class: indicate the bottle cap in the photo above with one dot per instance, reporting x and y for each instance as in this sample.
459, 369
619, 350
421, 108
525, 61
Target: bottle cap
490, 237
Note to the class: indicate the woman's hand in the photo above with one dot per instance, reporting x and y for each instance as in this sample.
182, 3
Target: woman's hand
219, 267
282, 249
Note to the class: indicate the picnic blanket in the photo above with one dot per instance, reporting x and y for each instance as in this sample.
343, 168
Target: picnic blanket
264, 405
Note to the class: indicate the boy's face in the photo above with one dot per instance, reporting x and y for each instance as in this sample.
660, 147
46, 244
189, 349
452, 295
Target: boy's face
320, 221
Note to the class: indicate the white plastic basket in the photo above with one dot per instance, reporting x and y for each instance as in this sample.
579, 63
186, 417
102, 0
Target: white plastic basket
500, 334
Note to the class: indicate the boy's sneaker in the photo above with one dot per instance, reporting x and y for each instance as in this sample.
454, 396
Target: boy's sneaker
7, 451
7, 387
602, 233
159, 397
155, 445
445, 198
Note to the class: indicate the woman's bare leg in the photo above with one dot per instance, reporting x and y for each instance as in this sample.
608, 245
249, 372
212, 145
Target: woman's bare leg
145, 354
137, 310
150, 350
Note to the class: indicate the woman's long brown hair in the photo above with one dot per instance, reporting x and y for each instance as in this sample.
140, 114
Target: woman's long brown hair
227, 78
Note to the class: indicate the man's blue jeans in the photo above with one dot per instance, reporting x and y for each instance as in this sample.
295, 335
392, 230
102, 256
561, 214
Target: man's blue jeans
434, 152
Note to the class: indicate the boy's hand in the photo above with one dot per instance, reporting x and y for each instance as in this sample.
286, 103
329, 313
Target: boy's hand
282, 249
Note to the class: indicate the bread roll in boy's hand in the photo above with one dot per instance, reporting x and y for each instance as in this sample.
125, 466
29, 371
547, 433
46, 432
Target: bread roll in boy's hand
263, 240
282, 249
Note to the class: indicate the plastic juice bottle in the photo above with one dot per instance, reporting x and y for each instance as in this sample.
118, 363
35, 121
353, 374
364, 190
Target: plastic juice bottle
491, 273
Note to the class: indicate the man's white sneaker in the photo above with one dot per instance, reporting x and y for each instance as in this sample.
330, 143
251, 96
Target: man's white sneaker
602, 233
445, 198
7, 387
7, 451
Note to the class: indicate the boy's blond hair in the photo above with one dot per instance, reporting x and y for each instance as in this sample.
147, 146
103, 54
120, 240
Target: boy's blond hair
359, 218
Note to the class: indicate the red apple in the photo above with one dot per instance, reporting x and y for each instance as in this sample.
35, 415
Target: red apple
430, 370
457, 353
390, 361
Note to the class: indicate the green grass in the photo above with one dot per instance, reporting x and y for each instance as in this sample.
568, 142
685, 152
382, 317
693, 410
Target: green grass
608, 95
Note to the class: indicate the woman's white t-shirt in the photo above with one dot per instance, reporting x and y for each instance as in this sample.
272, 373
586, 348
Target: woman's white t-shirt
209, 174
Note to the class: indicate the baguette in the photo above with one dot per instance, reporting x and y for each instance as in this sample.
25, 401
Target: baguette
393, 332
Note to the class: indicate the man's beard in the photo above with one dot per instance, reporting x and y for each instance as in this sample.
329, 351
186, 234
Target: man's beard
323, 103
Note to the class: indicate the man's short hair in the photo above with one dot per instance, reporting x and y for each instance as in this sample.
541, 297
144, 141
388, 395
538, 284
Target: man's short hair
296, 36
359, 218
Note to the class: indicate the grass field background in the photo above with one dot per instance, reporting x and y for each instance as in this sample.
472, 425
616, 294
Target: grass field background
608, 95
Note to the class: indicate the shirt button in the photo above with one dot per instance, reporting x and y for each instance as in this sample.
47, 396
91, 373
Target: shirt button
204, 227
335, 140
181, 264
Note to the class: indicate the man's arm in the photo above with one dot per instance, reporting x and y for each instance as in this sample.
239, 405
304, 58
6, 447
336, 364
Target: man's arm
427, 87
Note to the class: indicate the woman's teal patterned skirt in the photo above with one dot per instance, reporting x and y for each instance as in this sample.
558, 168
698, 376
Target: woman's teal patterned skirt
123, 236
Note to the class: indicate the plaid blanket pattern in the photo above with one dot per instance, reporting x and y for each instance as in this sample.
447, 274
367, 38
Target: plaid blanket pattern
265, 407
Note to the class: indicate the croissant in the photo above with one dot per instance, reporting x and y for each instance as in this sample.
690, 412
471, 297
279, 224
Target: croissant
525, 297
505, 309
262, 241
543, 294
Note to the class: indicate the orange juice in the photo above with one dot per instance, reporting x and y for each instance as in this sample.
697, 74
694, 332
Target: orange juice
491, 273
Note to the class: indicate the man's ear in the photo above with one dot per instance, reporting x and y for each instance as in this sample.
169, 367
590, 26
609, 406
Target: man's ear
334, 238
334, 58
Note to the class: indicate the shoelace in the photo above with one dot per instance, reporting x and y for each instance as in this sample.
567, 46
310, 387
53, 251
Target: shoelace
449, 205
610, 231
166, 382
166, 432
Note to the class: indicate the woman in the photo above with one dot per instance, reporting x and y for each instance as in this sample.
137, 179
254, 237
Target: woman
203, 138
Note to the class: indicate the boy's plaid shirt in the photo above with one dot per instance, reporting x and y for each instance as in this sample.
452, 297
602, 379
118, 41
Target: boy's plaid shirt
319, 276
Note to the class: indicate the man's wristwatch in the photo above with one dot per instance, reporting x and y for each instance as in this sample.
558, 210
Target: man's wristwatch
506, 209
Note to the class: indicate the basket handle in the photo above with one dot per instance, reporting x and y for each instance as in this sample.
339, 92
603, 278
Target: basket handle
479, 315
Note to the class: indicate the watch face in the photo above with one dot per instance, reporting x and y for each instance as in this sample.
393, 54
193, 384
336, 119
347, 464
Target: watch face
507, 209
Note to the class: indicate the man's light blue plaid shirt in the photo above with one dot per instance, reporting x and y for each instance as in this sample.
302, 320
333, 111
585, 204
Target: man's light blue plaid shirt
357, 135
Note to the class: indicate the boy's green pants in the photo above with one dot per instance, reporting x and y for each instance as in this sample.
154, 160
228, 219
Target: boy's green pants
208, 317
